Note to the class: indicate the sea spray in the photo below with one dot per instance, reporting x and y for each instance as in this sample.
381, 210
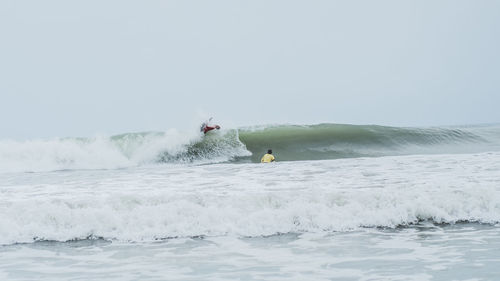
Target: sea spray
120, 151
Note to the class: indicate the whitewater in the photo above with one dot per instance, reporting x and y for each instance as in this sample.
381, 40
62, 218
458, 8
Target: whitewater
343, 202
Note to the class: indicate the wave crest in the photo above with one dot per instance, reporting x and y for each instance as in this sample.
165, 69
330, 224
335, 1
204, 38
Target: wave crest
120, 151
289, 142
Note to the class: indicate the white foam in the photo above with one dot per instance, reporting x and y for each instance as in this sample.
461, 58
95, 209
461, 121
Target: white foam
109, 152
148, 203
59, 154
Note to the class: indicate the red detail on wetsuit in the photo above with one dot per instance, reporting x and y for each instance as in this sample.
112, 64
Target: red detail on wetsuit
210, 128
207, 128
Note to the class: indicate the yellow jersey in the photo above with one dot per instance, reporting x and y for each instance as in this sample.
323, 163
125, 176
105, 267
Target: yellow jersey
267, 158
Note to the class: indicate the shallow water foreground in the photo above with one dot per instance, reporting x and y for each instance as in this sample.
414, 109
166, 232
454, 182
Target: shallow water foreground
418, 217
424, 252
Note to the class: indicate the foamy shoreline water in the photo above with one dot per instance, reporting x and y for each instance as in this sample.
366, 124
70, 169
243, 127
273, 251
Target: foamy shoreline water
421, 252
385, 218
163, 201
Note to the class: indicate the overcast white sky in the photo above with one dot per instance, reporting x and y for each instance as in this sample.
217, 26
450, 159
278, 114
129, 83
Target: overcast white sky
78, 68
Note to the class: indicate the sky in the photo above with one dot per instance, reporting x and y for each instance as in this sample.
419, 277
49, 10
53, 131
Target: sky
81, 68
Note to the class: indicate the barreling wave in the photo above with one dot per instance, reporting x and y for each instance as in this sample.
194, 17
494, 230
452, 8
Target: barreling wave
332, 141
289, 142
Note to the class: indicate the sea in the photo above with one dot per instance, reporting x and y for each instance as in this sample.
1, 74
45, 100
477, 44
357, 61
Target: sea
342, 202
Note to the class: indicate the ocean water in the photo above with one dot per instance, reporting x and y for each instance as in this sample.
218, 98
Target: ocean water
381, 203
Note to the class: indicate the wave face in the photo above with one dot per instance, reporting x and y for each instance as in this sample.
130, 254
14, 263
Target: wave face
289, 143
332, 141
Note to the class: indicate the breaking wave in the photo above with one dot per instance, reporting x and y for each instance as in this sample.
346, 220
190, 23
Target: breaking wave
289, 143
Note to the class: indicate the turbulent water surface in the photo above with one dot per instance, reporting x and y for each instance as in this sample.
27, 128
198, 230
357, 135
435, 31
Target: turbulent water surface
352, 203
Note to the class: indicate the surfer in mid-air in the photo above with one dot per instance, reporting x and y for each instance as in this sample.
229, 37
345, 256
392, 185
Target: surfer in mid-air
206, 127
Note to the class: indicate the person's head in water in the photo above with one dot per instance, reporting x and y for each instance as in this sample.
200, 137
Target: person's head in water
268, 157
